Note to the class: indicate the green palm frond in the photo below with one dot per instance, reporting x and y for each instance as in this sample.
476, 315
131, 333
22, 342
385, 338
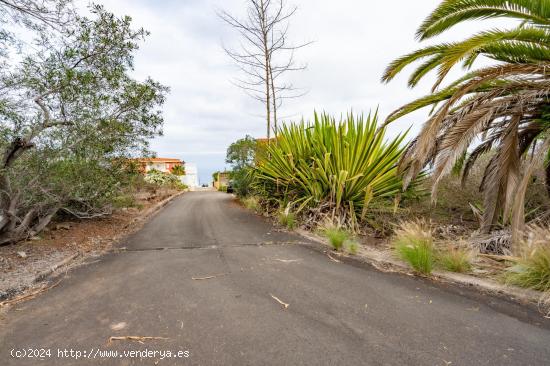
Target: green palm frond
499, 106
452, 12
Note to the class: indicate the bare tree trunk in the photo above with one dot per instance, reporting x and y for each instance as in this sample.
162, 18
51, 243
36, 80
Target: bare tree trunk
267, 68
264, 33
274, 96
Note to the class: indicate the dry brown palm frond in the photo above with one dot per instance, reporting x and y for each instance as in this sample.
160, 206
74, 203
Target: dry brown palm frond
424, 146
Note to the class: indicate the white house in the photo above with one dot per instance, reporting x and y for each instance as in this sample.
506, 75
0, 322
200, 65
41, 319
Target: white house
191, 177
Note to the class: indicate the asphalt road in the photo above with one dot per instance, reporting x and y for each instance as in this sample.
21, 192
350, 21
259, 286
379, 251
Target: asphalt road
338, 313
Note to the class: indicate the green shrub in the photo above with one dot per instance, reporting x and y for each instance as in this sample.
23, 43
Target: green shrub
336, 236
352, 247
125, 200
331, 167
222, 189
414, 244
252, 203
178, 170
532, 269
287, 219
159, 178
455, 260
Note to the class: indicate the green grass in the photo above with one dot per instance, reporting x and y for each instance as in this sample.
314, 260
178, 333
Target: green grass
414, 244
336, 236
532, 270
252, 203
351, 247
455, 260
124, 201
287, 219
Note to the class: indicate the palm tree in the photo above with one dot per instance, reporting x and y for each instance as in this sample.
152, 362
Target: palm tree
505, 106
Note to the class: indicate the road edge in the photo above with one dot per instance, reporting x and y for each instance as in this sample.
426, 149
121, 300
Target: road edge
70, 260
382, 262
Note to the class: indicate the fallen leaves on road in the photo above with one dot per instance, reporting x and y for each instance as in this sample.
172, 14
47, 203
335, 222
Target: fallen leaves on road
285, 305
139, 339
208, 277
28, 296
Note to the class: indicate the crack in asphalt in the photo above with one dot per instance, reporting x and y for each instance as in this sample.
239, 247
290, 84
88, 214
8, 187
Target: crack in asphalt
209, 247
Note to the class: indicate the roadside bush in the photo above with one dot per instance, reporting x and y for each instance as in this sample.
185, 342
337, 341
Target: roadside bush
287, 219
413, 242
352, 247
164, 179
336, 236
532, 269
331, 168
252, 203
455, 259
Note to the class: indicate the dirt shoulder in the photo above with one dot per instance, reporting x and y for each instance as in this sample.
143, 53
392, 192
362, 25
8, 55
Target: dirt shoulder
67, 243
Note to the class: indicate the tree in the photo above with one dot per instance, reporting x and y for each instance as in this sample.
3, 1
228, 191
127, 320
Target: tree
68, 116
241, 153
505, 106
242, 156
265, 54
178, 170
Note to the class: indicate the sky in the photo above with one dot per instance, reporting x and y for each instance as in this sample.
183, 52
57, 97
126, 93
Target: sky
352, 43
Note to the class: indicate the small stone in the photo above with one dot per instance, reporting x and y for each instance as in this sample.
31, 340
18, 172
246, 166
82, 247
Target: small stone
22, 254
64, 226
35, 238
118, 326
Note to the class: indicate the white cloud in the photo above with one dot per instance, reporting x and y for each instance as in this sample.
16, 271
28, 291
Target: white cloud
353, 43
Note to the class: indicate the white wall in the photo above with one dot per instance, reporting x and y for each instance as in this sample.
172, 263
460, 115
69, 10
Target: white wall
191, 177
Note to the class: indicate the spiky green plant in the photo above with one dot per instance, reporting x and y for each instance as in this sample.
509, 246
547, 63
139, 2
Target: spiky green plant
331, 167
506, 105
287, 218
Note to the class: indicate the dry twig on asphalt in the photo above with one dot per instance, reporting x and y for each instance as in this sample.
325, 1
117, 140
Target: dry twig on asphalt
28, 296
285, 305
332, 258
287, 260
207, 277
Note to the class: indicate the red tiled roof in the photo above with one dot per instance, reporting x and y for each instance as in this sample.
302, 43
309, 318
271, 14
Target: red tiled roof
158, 160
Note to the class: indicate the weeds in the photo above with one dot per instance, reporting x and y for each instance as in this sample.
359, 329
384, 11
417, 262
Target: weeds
413, 243
532, 270
351, 247
287, 219
336, 236
455, 259
252, 203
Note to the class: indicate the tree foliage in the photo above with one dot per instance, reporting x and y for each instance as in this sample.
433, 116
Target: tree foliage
68, 114
505, 106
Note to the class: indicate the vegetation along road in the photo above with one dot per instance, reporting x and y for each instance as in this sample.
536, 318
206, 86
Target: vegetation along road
224, 287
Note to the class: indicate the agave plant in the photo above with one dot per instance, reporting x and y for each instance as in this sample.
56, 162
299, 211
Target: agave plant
503, 109
336, 168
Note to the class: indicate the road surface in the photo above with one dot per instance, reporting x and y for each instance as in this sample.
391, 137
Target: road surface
208, 276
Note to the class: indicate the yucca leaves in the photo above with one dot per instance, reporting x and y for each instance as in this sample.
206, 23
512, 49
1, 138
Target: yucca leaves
342, 166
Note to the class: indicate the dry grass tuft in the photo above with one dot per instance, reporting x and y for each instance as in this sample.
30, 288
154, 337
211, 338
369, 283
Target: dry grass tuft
413, 242
455, 259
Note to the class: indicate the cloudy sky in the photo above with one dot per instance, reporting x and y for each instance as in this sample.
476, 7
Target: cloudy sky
353, 42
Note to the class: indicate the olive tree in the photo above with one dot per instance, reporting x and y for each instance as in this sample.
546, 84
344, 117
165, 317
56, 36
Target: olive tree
68, 114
